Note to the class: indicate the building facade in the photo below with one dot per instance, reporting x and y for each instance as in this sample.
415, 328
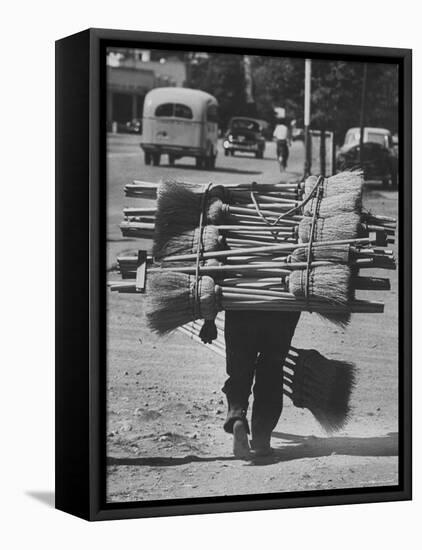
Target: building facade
130, 78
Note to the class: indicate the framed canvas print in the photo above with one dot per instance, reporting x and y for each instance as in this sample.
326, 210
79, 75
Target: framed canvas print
233, 274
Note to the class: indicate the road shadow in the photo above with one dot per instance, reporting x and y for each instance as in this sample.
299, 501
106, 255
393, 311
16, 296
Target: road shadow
296, 447
45, 497
165, 460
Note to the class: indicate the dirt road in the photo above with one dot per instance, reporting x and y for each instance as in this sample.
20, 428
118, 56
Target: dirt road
165, 407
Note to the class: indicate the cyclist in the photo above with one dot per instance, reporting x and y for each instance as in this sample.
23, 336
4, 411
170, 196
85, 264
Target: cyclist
281, 136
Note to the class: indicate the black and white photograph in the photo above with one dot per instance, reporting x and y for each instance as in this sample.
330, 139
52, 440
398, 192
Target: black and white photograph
211, 275
253, 274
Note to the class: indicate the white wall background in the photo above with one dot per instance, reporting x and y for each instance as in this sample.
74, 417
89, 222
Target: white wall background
28, 31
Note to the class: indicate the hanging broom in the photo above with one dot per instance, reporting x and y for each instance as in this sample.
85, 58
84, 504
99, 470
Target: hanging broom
312, 381
321, 385
173, 299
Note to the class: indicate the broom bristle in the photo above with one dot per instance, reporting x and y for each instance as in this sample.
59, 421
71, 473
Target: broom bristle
329, 283
340, 227
216, 211
171, 301
338, 253
334, 205
186, 242
344, 182
324, 387
177, 204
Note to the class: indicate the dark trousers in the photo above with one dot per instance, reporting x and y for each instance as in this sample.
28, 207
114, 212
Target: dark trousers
283, 151
257, 343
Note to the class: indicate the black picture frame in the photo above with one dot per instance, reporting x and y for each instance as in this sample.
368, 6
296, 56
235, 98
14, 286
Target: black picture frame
81, 275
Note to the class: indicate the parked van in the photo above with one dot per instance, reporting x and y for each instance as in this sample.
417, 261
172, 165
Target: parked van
180, 122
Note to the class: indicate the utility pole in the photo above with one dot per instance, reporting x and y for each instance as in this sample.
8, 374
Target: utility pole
362, 113
307, 117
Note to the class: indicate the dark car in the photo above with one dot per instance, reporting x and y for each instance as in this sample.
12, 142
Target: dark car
379, 157
245, 135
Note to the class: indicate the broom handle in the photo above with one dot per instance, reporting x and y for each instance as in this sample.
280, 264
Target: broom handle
353, 307
139, 211
274, 217
274, 199
140, 219
380, 218
236, 228
232, 290
148, 185
247, 243
196, 338
137, 225
222, 268
240, 210
371, 283
261, 238
251, 282
267, 248
275, 206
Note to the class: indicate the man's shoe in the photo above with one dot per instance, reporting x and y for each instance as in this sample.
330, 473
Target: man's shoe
241, 447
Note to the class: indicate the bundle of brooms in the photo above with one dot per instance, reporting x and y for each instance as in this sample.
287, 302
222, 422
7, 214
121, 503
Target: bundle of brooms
310, 380
258, 274
179, 207
176, 295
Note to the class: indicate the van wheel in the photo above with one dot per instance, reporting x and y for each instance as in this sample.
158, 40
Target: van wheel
172, 158
199, 162
156, 159
147, 158
211, 162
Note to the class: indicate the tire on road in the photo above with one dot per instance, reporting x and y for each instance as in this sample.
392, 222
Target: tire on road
156, 157
199, 162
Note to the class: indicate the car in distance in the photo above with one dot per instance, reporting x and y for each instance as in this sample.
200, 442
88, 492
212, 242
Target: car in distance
379, 156
246, 135
134, 126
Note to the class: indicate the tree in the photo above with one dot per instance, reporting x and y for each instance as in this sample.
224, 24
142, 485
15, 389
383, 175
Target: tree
222, 76
279, 81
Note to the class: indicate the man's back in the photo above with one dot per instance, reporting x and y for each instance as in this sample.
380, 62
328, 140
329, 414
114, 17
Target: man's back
281, 132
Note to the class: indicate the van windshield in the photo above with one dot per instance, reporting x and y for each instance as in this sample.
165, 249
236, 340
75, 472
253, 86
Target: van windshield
176, 110
375, 137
